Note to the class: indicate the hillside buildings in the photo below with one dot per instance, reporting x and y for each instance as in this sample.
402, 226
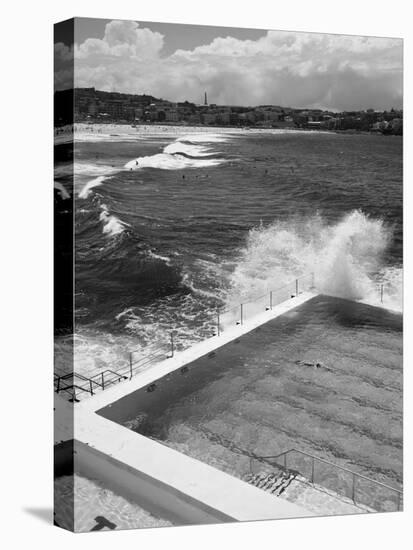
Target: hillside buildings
92, 105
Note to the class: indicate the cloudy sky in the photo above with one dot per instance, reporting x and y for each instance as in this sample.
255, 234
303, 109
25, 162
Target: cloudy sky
235, 66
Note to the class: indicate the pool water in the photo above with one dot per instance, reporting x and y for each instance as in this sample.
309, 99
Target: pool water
96, 508
263, 394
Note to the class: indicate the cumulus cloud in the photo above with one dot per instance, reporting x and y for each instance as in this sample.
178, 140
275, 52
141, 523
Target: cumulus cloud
63, 66
122, 39
284, 68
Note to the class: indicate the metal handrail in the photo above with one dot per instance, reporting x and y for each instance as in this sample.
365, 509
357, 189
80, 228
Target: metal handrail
272, 291
313, 457
134, 365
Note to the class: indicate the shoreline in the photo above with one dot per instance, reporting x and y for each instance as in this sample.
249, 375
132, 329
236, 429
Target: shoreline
65, 134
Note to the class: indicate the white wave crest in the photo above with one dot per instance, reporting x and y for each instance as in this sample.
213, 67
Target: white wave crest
63, 192
177, 155
87, 169
346, 259
164, 161
111, 224
86, 190
194, 150
159, 257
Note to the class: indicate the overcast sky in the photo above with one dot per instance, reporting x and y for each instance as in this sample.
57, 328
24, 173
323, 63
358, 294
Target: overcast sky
235, 66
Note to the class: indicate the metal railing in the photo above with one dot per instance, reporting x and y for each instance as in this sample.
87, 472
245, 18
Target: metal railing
75, 383
251, 307
360, 489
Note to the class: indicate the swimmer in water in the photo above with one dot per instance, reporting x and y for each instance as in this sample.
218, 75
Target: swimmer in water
315, 364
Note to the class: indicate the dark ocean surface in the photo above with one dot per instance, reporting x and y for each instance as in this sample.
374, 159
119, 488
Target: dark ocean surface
170, 227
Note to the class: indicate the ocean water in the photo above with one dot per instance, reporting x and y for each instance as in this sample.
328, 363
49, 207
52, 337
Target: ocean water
168, 228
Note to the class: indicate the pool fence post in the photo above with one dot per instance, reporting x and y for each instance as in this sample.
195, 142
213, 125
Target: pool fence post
91, 386
270, 299
103, 380
218, 333
296, 287
381, 293
172, 344
241, 313
312, 470
130, 364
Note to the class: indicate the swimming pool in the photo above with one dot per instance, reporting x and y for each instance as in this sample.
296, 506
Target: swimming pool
263, 394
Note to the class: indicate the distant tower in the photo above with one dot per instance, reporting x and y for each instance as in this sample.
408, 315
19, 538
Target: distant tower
206, 99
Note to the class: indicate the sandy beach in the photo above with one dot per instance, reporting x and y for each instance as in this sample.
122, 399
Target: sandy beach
85, 131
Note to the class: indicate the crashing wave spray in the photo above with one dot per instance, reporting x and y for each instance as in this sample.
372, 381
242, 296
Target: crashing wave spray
346, 259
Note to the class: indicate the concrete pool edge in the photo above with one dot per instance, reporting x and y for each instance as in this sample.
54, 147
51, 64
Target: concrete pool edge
163, 480
167, 482
180, 359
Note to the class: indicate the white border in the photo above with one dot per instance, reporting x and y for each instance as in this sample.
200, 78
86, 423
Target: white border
26, 305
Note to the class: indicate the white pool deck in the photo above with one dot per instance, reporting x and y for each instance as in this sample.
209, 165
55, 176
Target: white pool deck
163, 480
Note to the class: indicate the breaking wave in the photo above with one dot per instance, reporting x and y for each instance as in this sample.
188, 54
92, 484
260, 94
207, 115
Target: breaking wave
182, 153
111, 224
86, 190
88, 169
98, 172
61, 189
178, 147
346, 259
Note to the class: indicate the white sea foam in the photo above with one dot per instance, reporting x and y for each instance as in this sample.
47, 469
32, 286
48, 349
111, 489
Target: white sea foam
111, 224
159, 257
194, 150
63, 192
86, 190
171, 162
164, 161
98, 172
88, 169
178, 155
346, 259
